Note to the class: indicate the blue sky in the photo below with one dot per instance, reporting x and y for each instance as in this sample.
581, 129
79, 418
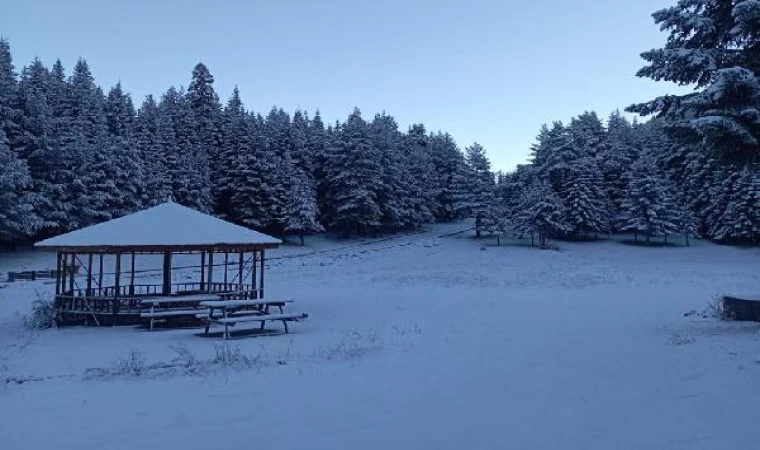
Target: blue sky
485, 71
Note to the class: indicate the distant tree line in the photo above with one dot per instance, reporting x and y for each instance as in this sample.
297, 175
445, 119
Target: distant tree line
693, 169
72, 156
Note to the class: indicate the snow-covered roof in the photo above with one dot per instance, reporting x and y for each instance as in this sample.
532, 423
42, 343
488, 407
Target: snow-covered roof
166, 225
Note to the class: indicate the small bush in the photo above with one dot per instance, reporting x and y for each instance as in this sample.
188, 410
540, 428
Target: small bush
184, 357
42, 314
227, 356
132, 365
352, 344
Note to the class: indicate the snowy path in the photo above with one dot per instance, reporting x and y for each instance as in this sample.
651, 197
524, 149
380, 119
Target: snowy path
425, 343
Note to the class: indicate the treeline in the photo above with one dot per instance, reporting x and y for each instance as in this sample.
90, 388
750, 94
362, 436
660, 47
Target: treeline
73, 156
693, 169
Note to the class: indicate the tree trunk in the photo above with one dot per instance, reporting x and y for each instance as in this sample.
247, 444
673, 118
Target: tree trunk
498, 239
300, 236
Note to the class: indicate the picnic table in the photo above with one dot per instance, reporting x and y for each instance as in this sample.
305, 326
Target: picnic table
161, 307
231, 312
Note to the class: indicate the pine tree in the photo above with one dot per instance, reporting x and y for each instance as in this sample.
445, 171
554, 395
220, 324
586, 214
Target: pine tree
448, 162
588, 134
419, 174
354, 179
201, 125
186, 161
479, 191
649, 207
712, 44
10, 114
540, 212
123, 168
739, 221
17, 209
585, 201
615, 160
158, 188
302, 207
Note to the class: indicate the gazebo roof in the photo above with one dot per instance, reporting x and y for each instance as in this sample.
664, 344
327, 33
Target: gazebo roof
166, 227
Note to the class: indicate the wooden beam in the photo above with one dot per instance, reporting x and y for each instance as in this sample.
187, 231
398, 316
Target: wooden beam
64, 271
210, 270
100, 275
57, 273
132, 276
253, 275
71, 274
88, 293
203, 270
117, 287
226, 263
261, 279
241, 266
167, 272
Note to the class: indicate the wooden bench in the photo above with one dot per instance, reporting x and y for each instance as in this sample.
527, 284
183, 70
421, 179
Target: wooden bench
231, 321
156, 314
231, 312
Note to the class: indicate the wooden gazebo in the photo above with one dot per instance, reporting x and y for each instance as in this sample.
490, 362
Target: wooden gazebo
104, 271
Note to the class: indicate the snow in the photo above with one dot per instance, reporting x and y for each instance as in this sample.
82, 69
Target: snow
168, 224
418, 341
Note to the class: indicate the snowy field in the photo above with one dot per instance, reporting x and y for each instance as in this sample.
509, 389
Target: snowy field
414, 342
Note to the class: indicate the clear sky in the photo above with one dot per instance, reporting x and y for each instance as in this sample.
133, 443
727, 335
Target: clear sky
490, 71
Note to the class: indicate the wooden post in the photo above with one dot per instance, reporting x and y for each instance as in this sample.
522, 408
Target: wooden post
261, 279
88, 293
241, 266
132, 276
58, 273
203, 270
253, 275
64, 271
167, 281
71, 275
210, 280
226, 262
100, 275
117, 286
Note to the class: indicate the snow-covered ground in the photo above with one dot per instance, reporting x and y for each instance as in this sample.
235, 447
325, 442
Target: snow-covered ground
414, 342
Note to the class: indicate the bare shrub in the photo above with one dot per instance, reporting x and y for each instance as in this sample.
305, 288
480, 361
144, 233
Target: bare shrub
184, 357
42, 314
351, 345
132, 365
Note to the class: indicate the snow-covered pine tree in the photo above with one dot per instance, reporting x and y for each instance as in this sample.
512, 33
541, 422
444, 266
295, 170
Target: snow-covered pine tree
448, 162
251, 169
315, 141
158, 187
712, 44
392, 196
234, 128
82, 137
585, 200
302, 206
17, 208
540, 211
588, 134
739, 221
187, 162
299, 140
123, 168
649, 207
419, 175
553, 155
354, 179
615, 160
10, 114
479, 193
203, 122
